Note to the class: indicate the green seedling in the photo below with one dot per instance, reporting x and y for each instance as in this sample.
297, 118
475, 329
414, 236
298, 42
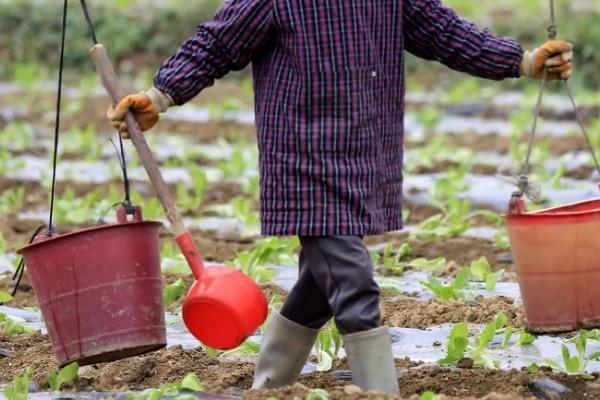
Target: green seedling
451, 222
481, 270
327, 346
447, 186
12, 200
576, 364
212, 353
454, 290
218, 111
65, 375
173, 390
281, 249
11, 326
464, 89
391, 260
501, 237
17, 136
172, 260
173, 292
243, 210
456, 345
19, 388
429, 117
71, 209
427, 263
82, 141
253, 263
389, 285
252, 187
479, 352
526, 338
428, 395
241, 161
317, 394
5, 297
190, 200
248, 347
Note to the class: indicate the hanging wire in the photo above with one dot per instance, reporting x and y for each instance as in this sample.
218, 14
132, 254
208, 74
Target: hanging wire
18, 275
122, 161
90, 25
57, 122
525, 187
123, 165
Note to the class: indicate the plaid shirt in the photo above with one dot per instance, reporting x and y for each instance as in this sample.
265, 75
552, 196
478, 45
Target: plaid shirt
329, 95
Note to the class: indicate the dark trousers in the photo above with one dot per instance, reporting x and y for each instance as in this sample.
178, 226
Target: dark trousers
335, 280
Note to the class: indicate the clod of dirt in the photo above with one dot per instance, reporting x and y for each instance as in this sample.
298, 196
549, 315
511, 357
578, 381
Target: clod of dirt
466, 363
405, 312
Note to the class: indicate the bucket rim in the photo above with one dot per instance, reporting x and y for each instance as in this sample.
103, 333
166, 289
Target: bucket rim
553, 212
78, 232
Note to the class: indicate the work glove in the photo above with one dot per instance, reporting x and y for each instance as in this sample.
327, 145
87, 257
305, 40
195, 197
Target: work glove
145, 106
556, 55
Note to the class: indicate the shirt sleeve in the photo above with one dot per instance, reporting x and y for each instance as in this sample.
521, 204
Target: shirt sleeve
435, 32
228, 42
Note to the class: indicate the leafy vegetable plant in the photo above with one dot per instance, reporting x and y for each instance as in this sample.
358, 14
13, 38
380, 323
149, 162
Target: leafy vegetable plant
172, 260
11, 326
173, 292
190, 200
12, 200
456, 344
327, 346
391, 260
428, 395
317, 394
481, 270
576, 364
253, 263
19, 388
173, 390
454, 290
65, 375
244, 211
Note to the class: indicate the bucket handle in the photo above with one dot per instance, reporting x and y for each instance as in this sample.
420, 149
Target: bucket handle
115, 91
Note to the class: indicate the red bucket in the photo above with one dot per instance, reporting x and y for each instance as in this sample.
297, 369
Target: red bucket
556, 254
99, 290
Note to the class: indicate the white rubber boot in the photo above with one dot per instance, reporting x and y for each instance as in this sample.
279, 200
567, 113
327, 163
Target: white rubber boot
283, 352
371, 361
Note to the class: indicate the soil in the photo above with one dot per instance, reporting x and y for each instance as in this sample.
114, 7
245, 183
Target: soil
405, 312
234, 375
459, 250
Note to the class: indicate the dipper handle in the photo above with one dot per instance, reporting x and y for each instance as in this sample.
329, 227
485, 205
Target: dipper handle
115, 91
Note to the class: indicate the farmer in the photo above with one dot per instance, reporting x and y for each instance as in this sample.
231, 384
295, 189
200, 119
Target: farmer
329, 93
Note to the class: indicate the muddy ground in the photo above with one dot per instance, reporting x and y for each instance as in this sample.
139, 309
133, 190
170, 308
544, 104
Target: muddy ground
234, 376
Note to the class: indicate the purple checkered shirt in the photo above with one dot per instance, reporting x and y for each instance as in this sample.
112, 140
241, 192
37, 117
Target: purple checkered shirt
329, 95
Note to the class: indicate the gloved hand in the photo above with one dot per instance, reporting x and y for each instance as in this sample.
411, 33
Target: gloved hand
145, 106
556, 55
